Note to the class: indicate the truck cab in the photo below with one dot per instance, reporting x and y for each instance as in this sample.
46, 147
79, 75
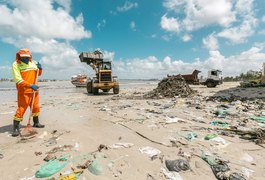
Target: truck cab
213, 79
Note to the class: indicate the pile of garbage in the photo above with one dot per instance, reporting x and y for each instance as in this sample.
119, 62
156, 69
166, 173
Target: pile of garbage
169, 87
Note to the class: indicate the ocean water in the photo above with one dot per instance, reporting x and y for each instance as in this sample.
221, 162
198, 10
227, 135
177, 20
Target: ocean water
10, 86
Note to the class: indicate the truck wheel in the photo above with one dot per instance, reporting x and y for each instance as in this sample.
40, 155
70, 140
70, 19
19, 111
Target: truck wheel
209, 84
116, 90
89, 87
95, 91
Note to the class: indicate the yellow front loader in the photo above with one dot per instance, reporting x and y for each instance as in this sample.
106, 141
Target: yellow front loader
104, 78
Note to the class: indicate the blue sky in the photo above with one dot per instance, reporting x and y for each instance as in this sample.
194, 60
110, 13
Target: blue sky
143, 38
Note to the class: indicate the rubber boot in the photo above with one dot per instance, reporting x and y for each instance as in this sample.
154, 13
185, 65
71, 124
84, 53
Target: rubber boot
15, 128
36, 123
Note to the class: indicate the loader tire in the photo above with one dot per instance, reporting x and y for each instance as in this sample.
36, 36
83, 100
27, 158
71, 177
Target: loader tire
89, 87
95, 91
116, 90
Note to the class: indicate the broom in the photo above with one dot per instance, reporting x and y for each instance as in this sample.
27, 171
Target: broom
29, 130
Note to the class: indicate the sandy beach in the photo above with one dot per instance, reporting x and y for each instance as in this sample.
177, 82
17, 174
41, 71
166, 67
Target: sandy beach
129, 137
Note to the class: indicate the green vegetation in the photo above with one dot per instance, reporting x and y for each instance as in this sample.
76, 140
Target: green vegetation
253, 76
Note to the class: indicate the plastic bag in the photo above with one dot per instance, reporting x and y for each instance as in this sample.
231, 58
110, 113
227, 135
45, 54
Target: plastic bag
52, 167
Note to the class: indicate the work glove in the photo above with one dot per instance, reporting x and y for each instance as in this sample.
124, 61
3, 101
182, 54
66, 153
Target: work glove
34, 87
39, 65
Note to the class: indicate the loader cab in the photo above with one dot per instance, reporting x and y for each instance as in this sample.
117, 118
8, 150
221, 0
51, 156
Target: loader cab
106, 66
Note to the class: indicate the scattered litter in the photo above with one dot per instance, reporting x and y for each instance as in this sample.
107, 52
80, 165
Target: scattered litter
49, 157
191, 136
102, 146
173, 120
221, 113
171, 175
71, 175
85, 165
104, 109
220, 123
51, 167
247, 172
259, 119
210, 136
61, 149
43, 135
247, 158
50, 142
38, 153
220, 168
95, 168
177, 165
122, 145
150, 151
77, 146
219, 140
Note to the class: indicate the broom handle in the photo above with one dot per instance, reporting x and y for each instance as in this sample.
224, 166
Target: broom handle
33, 98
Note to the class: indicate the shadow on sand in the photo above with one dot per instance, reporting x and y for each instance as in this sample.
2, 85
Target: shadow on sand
9, 128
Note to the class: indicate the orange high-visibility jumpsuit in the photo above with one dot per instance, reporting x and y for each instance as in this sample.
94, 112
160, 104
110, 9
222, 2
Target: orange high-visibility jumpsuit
24, 75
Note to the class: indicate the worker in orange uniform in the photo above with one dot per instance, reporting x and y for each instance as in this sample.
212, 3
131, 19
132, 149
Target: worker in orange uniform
25, 74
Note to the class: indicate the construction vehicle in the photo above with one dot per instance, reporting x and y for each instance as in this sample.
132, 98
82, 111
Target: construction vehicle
213, 79
104, 79
192, 78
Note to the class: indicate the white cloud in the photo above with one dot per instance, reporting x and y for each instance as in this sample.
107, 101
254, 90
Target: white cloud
133, 26
45, 28
56, 57
127, 6
211, 42
186, 38
101, 24
240, 33
201, 13
173, 4
235, 18
40, 19
152, 67
170, 24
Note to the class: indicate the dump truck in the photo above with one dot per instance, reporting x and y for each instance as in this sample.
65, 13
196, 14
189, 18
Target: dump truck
213, 79
192, 78
104, 79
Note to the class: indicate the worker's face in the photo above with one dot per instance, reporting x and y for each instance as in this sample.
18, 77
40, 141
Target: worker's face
25, 59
